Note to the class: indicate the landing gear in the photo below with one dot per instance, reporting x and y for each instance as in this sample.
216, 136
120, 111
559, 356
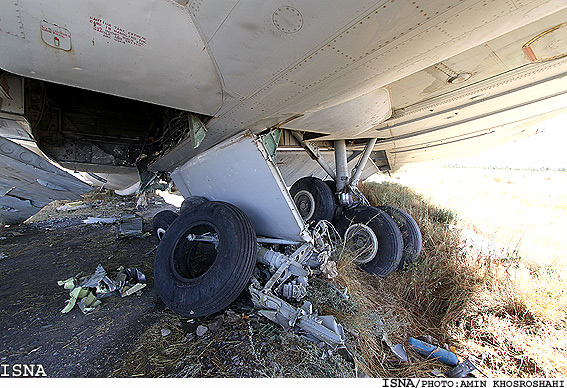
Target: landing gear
314, 199
372, 238
410, 234
380, 240
206, 259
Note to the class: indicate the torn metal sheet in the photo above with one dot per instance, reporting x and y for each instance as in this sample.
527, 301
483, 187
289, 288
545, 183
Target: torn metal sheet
129, 225
86, 292
224, 173
29, 181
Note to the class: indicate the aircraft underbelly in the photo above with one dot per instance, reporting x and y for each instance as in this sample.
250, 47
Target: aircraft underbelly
145, 50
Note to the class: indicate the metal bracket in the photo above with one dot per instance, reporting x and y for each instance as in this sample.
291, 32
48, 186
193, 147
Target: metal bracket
197, 132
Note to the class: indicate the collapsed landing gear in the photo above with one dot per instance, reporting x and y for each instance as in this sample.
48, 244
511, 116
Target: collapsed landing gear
381, 240
373, 239
206, 259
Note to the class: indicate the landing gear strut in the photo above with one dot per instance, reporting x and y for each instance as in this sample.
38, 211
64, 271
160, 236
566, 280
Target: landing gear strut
380, 240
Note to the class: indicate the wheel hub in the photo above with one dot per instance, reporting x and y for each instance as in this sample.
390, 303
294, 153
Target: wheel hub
361, 240
305, 203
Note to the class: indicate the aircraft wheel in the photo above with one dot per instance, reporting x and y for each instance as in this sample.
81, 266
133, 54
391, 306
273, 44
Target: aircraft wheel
332, 185
196, 278
161, 222
313, 199
373, 238
410, 234
191, 202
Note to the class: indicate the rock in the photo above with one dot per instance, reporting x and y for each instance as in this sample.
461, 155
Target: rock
216, 324
201, 330
165, 332
232, 317
190, 336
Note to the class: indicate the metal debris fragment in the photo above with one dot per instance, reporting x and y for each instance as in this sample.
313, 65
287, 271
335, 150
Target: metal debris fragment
71, 206
201, 330
289, 280
99, 220
87, 291
433, 352
129, 225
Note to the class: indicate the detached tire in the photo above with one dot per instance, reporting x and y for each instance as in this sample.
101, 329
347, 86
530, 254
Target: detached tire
313, 199
195, 278
411, 235
161, 222
374, 237
190, 202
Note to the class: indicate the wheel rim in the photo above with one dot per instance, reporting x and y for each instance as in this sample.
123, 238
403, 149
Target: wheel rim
160, 232
192, 259
361, 240
305, 203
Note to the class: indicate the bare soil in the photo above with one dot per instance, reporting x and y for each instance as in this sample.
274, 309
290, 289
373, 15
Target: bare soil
56, 246
135, 336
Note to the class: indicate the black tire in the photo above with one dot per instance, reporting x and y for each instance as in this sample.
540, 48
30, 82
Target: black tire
313, 199
161, 223
411, 235
388, 237
332, 185
195, 279
191, 202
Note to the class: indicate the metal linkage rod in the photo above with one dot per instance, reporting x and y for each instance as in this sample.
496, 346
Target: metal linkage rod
314, 154
362, 162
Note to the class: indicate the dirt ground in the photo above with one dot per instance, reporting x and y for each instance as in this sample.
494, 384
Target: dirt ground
35, 255
135, 336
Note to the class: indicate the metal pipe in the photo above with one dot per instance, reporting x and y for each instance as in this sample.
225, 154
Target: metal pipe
315, 156
341, 164
362, 162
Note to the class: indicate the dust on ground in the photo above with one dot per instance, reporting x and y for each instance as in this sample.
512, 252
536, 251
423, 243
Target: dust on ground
55, 245
135, 335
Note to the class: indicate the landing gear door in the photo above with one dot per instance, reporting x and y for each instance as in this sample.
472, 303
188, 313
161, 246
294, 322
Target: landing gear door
241, 171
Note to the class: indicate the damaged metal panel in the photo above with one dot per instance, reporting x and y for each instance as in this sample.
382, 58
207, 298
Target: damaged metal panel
28, 182
240, 171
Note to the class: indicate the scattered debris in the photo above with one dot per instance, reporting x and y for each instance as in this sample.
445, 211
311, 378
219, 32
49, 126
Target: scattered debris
190, 336
433, 352
129, 225
286, 276
87, 291
99, 220
71, 206
216, 324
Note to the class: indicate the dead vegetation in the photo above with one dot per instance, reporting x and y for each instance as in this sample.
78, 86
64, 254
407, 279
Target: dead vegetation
507, 317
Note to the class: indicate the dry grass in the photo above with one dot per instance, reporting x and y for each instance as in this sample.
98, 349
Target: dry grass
509, 317
494, 308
